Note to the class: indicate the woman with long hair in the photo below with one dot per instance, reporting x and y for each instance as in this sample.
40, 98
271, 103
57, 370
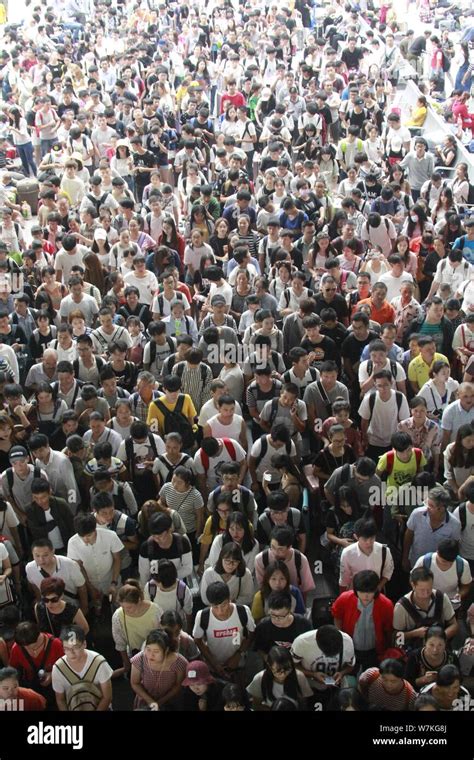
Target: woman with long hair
162, 258
101, 247
246, 235
22, 141
334, 228
239, 531
453, 229
230, 568
340, 521
152, 507
171, 238
460, 184
229, 125
276, 577
50, 293
200, 219
215, 524
464, 79
292, 480
242, 289
459, 461
444, 207
320, 253
440, 390
7, 440
46, 412
94, 272
219, 240
279, 679
410, 261
417, 222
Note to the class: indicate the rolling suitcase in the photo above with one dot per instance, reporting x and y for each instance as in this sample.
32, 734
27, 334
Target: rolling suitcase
28, 190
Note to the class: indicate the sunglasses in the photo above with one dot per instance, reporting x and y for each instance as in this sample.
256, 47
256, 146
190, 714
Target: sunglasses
50, 599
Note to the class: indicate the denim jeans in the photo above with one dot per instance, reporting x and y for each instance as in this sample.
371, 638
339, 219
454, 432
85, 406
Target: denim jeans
27, 161
45, 146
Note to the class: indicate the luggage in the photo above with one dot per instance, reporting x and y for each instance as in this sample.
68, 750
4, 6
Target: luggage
28, 190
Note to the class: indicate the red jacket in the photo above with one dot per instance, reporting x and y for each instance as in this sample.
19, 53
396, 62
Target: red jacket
345, 610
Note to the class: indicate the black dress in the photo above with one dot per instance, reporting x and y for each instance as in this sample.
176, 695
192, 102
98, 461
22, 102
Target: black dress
50, 623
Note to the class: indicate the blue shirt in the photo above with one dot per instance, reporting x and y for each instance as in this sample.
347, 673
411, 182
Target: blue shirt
466, 246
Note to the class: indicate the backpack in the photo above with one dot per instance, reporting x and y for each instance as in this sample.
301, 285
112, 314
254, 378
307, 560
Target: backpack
244, 492
372, 398
241, 611
463, 516
99, 363
129, 451
172, 467
470, 195
391, 461
176, 422
204, 367
230, 449
161, 299
9, 476
264, 449
387, 227
428, 558
180, 592
268, 526
153, 348
97, 202
358, 143
393, 368
84, 694
298, 562
420, 621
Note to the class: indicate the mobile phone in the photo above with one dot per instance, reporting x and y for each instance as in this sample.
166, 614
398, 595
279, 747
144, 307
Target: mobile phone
267, 477
329, 681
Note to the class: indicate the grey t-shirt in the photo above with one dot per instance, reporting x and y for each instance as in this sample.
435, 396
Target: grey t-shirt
367, 492
312, 396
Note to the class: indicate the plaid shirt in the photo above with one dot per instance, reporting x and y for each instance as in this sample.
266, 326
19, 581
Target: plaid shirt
427, 438
405, 315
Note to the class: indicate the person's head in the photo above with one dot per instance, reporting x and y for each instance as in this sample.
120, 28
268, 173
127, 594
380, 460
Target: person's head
130, 596
421, 581
39, 446
218, 596
402, 445
86, 528
279, 665
391, 674
281, 542
435, 642
198, 677
448, 682
365, 531
466, 395
365, 585
158, 645
52, 592
279, 608
437, 503
425, 703
161, 529
230, 560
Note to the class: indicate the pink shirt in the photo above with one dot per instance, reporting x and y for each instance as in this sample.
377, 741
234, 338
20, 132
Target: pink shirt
307, 581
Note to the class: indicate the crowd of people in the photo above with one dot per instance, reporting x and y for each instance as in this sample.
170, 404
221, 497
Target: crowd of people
236, 358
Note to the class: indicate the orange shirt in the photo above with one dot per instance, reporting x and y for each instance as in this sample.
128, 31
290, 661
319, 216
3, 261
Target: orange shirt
385, 314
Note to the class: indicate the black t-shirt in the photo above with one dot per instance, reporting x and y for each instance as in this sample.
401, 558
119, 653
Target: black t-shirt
338, 304
189, 701
268, 635
352, 58
146, 159
418, 45
352, 347
151, 551
325, 350
328, 463
337, 333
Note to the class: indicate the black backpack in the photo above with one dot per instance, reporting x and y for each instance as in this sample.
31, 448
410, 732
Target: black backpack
153, 348
172, 467
129, 452
419, 620
176, 422
373, 397
241, 611
264, 449
393, 368
180, 371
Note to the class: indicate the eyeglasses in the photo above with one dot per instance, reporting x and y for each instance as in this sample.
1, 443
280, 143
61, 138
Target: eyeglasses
231, 561
279, 617
330, 290
280, 671
50, 599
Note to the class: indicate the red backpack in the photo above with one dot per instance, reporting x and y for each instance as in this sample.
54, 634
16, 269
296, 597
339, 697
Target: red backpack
391, 461
230, 448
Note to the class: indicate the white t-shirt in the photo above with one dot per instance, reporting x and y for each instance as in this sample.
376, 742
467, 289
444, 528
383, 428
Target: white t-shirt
215, 463
265, 463
224, 290
62, 685
218, 430
143, 451
96, 558
306, 652
385, 418
400, 376
447, 580
146, 285
65, 261
393, 283
55, 534
168, 600
66, 569
223, 637
8, 519
209, 410
467, 535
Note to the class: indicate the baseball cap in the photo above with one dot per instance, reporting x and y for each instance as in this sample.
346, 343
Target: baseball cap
218, 300
16, 453
100, 234
274, 221
197, 674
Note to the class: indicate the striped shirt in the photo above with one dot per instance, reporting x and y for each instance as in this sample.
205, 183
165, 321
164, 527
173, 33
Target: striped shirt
192, 382
371, 686
185, 504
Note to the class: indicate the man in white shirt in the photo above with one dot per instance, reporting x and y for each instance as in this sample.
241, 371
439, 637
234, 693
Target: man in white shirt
451, 573
380, 414
365, 554
78, 300
98, 554
380, 231
58, 468
454, 270
71, 254
394, 278
45, 563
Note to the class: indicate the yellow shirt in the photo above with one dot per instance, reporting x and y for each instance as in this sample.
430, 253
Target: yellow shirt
419, 371
207, 536
154, 413
402, 474
418, 117
258, 609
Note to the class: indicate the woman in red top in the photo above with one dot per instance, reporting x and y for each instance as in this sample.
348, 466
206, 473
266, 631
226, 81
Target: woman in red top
367, 617
15, 698
33, 652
